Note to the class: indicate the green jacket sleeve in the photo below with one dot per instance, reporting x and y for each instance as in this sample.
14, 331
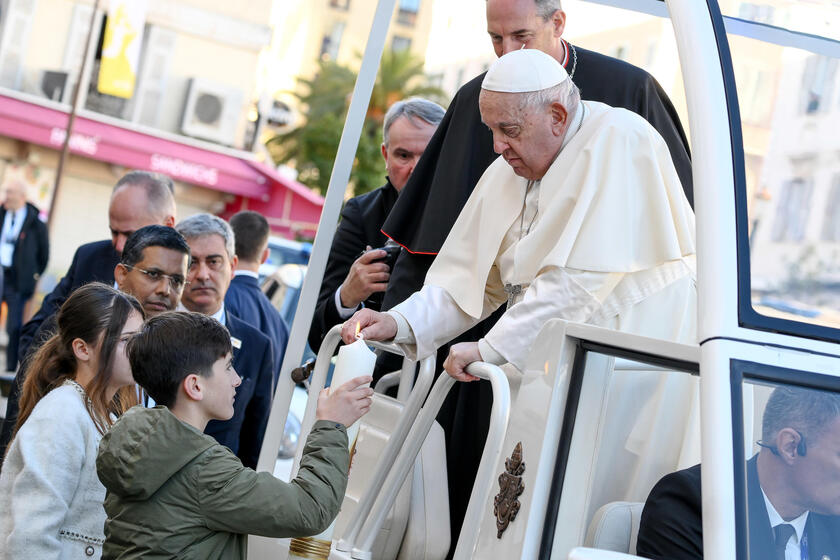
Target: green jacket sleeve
237, 499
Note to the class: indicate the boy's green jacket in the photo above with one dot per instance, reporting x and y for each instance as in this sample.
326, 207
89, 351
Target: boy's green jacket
173, 492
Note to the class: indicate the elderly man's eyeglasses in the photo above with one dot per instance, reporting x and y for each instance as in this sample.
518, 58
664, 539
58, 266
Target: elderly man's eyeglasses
214, 263
176, 281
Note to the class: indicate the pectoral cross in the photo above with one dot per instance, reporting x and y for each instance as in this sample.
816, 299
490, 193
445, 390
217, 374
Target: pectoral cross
512, 290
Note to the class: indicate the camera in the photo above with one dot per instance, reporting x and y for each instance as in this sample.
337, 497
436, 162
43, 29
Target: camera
393, 251
391, 258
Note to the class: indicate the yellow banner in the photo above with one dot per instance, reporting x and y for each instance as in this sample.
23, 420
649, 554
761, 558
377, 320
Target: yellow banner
121, 47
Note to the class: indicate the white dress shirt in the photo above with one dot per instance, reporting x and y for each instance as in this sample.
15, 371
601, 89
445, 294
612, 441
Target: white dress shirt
220, 315
344, 312
250, 273
10, 234
792, 550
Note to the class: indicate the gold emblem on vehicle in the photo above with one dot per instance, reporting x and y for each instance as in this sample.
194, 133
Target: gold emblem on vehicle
506, 504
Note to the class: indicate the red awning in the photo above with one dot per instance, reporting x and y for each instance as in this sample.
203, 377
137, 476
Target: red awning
283, 200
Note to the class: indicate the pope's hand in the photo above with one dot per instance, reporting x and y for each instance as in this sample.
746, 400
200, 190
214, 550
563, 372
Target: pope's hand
460, 356
374, 326
365, 278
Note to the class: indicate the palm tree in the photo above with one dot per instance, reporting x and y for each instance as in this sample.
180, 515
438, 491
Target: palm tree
326, 97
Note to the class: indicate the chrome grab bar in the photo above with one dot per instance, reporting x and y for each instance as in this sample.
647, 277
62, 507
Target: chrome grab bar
411, 447
395, 441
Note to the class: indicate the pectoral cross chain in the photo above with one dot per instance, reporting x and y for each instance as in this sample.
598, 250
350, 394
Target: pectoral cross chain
512, 290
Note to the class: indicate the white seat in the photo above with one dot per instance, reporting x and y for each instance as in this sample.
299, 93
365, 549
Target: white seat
427, 533
615, 527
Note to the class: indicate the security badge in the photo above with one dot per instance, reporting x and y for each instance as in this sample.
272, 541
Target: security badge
235, 342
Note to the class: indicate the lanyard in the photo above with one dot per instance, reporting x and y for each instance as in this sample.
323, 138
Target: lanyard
803, 547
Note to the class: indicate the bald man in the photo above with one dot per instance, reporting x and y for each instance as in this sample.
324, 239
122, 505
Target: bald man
24, 251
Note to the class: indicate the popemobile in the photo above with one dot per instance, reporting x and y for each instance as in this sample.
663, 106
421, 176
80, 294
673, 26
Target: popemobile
595, 446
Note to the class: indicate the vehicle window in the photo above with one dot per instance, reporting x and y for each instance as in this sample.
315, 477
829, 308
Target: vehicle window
789, 488
788, 87
813, 16
279, 255
634, 423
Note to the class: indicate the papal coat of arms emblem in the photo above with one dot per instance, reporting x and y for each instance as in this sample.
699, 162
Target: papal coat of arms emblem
506, 504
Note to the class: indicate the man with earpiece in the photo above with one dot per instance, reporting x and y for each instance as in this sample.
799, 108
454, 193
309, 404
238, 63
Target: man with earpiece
793, 488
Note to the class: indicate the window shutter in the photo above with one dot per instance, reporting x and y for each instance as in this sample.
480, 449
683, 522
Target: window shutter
154, 70
15, 41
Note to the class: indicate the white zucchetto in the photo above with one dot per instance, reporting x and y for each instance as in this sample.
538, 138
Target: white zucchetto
523, 71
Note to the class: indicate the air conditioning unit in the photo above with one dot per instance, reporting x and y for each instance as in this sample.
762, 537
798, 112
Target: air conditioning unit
211, 111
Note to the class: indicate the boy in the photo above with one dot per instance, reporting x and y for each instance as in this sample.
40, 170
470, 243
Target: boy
173, 491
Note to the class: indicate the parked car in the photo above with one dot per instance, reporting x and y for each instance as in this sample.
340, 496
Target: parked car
284, 251
281, 279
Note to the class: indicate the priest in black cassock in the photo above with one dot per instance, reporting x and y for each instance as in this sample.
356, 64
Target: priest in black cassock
456, 157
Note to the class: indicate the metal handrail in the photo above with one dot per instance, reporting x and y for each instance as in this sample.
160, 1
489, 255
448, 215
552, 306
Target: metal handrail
392, 449
389, 455
387, 381
411, 447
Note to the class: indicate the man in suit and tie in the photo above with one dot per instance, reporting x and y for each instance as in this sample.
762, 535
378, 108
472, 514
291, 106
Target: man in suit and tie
139, 199
355, 276
793, 488
212, 263
24, 251
244, 297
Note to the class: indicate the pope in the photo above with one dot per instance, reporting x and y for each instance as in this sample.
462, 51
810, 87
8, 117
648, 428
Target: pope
582, 218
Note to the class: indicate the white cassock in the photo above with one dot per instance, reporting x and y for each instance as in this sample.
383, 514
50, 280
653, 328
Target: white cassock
605, 238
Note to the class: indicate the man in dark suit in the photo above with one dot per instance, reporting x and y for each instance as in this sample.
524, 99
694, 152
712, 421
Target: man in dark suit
211, 268
24, 251
355, 275
793, 488
244, 297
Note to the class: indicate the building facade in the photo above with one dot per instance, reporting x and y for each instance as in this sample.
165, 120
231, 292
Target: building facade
191, 111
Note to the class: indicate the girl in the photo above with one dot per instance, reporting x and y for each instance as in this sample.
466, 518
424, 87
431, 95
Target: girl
76, 384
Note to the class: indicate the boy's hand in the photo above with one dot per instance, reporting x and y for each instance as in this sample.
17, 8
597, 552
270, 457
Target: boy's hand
347, 403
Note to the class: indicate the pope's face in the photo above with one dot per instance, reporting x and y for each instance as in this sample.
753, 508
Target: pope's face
528, 138
407, 139
513, 24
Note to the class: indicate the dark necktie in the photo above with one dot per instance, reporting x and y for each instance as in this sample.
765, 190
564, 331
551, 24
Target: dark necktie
783, 533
